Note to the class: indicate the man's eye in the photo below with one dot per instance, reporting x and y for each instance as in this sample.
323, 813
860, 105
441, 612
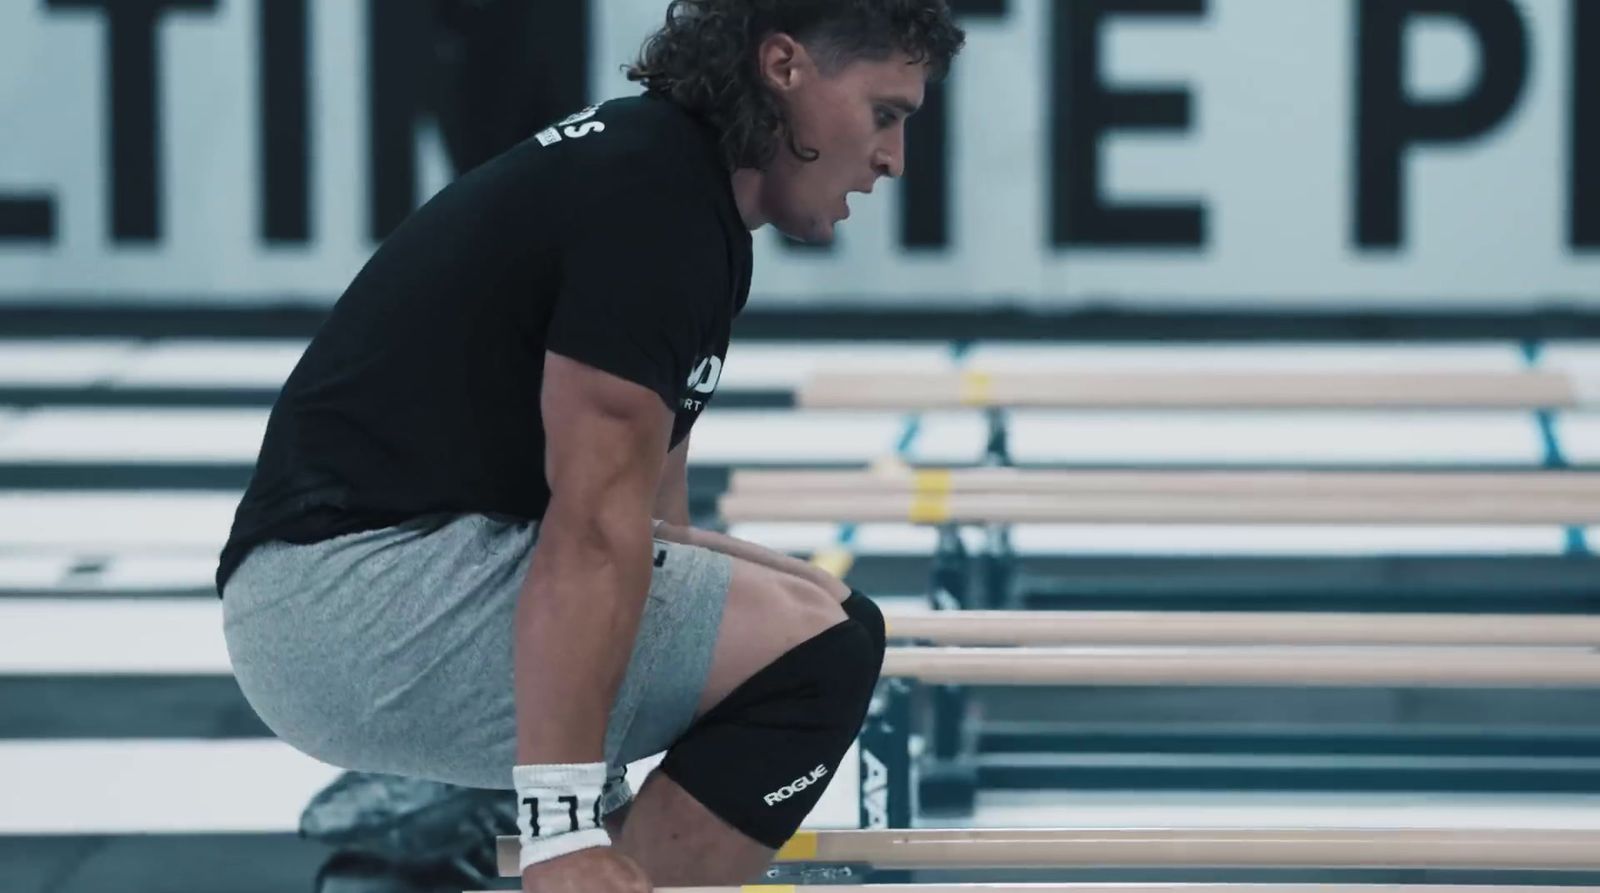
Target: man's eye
885, 119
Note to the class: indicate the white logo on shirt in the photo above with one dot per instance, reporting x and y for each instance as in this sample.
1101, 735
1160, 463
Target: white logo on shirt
570, 126
705, 376
703, 380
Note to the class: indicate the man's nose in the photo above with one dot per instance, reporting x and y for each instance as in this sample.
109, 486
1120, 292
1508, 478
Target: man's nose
890, 160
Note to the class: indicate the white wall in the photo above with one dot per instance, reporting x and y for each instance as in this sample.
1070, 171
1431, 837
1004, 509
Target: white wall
1270, 154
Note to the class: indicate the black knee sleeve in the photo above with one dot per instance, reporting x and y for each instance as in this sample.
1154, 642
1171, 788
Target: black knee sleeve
760, 759
862, 610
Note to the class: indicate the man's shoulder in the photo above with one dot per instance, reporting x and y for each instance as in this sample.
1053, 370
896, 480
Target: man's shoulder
648, 117
636, 140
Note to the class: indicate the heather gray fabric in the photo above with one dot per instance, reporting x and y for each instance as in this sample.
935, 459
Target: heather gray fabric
391, 650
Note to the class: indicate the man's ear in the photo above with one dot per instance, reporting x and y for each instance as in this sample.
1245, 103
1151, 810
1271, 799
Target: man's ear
780, 60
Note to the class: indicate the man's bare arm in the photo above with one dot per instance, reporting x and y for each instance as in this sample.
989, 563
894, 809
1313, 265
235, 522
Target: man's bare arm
672, 497
578, 612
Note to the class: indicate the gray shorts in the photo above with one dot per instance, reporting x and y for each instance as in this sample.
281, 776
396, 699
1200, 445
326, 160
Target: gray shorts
391, 650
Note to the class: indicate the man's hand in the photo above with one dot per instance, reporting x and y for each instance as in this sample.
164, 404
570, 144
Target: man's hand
595, 870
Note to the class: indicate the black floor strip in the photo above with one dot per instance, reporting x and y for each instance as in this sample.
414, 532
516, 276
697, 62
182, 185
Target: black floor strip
1177, 707
1397, 877
1457, 584
122, 478
120, 593
108, 707
705, 482
1322, 772
1414, 739
848, 320
159, 863
24, 397
18, 396
1516, 584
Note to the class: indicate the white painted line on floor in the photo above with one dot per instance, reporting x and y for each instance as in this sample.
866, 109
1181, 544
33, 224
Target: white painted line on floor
90, 521
181, 636
1246, 356
194, 786
197, 363
61, 362
1277, 438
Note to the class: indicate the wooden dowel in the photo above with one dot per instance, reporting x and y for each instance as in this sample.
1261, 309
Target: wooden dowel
1355, 508
1236, 628
1166, 482
1136, 888
1434, 667
1387, 847
1433, 848
1240, 389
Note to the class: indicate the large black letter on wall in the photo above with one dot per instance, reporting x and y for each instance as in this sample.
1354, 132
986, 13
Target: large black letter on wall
132, 73
1585, 188
506, 69
1388, 122
925, 198
1085, 109
397, 48
30, 219
492, 72
285, 147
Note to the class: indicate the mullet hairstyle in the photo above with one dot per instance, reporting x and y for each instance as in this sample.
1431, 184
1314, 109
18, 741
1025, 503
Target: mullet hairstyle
704, 58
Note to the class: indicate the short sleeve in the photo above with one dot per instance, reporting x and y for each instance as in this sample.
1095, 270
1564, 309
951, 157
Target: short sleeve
641, 271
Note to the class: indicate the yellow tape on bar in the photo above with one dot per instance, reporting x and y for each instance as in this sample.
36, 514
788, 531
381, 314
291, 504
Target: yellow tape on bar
934, 482
800, 848
835, 561
930, 497
976, 388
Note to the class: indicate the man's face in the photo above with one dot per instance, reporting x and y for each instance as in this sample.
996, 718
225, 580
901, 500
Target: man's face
854, 118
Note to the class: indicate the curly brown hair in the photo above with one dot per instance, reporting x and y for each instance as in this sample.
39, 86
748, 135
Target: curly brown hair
704, 58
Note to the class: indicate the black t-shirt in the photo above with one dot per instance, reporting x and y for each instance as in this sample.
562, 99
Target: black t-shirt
611, 238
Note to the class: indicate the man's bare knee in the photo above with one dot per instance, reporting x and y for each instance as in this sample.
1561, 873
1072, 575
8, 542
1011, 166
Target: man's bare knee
786, 655
814, 603
766, 614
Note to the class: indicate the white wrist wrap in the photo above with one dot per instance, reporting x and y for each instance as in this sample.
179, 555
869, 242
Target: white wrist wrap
558, 809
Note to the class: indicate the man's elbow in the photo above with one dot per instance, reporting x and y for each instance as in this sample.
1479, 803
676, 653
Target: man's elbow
673, 509
597, 527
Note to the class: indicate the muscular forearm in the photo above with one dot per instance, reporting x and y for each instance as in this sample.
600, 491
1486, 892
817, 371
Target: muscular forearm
576, 618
